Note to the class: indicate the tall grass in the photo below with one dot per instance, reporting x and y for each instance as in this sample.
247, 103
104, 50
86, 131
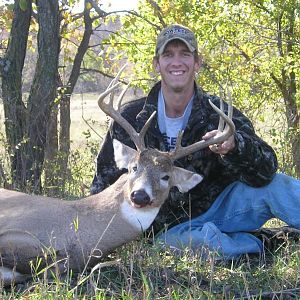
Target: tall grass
141, 270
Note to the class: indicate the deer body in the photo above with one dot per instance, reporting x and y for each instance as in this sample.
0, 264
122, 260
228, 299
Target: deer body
76, 229
76, 234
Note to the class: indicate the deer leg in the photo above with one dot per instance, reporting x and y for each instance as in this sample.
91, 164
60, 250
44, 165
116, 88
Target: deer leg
17, 249
9, 276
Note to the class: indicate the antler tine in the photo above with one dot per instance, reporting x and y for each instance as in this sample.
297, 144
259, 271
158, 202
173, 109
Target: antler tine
120, 98
137, 138
108, 91
144, 129
221, 121
230, 109
113, 82
230, 112
225, 134
116, 79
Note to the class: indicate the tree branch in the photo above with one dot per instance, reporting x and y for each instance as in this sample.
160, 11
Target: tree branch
98, 10
87, 70
279, 35
157, 12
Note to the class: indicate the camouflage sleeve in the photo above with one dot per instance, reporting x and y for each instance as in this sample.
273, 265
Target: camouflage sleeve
253, 159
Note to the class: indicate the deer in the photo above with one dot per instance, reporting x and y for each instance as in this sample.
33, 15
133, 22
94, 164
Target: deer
79, 233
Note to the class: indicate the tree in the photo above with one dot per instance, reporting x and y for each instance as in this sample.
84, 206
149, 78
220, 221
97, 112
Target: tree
43, 91
250, 47
35, 143
84, 53
11, 73
58, 147
26, 126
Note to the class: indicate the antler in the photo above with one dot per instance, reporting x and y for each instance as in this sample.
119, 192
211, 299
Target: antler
137, 138
225, 133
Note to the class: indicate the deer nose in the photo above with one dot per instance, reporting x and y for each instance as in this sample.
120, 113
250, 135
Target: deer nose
140, 198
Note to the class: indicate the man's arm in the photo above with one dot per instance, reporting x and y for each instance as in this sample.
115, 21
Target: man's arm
255, 159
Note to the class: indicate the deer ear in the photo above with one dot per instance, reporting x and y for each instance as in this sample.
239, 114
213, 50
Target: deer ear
185, 180
123, 154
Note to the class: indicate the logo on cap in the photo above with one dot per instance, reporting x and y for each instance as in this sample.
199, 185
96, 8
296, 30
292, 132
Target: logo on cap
176, 32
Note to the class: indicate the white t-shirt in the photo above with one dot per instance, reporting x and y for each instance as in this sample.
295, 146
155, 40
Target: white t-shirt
173, 126
170, 127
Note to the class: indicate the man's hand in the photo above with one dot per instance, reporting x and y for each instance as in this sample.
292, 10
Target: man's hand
223, 148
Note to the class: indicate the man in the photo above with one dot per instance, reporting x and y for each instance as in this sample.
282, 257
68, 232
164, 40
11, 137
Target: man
240, 190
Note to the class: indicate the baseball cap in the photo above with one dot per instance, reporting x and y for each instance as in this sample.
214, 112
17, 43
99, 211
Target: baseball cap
176, 32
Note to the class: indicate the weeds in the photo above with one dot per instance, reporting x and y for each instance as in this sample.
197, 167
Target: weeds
141, 270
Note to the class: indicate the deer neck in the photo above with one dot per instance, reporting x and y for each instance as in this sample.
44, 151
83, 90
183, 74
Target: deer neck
114, 200
108, 200
139, 218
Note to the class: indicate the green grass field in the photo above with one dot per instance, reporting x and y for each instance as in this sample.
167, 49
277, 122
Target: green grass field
86, 116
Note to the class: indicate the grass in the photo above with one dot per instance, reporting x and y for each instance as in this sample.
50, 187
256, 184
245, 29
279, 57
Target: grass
140, 270
87, 120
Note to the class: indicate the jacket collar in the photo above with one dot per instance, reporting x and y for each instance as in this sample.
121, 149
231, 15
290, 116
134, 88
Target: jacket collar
200, 109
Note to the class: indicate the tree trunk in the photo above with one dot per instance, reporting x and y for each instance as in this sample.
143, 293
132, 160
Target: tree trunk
288, 87
57, 153
296, 150
51, 167
293, 114
11, 67
293, 120
43, 90
65, 120
64, 137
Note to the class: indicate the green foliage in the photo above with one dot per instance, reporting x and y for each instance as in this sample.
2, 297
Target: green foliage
79, 174
23, 4
243, 50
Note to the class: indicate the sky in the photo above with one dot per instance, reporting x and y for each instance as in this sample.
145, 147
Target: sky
108, 5
111, 5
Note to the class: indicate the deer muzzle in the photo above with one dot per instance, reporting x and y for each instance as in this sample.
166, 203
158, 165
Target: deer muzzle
140, 198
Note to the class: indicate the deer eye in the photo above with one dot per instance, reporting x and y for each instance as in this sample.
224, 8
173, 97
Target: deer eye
166, 177
134, 168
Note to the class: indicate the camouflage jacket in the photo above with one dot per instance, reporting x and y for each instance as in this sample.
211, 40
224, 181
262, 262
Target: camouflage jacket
252, 161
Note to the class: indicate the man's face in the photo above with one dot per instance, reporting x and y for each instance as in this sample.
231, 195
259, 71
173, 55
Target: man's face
177, 66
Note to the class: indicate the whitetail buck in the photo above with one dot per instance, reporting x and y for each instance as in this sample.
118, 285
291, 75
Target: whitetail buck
77, 233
